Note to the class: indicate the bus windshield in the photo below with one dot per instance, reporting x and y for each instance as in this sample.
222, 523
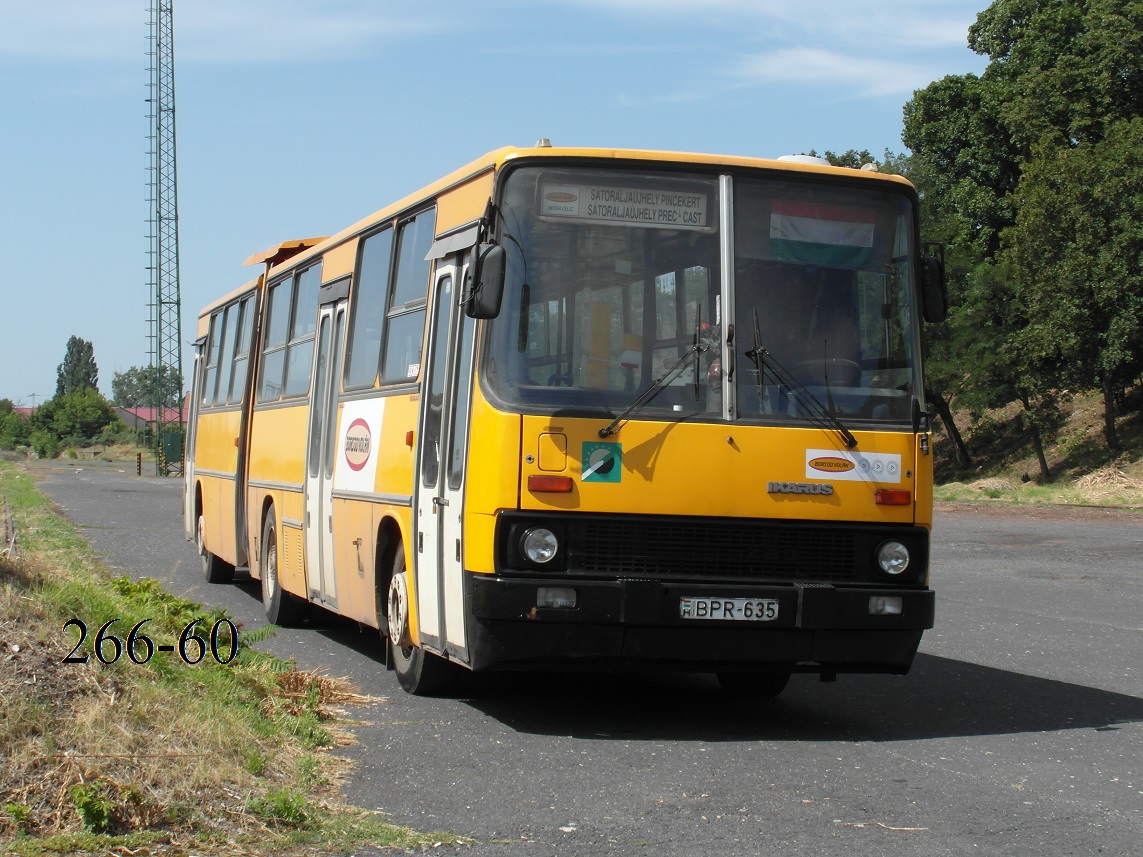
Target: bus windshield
615, 285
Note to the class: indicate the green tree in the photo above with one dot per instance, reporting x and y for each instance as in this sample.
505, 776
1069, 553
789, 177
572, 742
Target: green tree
1069, 69
14, 428
964, 152
852, 158
1077, 251
78, 371
137, 387
76, 417
1063, 74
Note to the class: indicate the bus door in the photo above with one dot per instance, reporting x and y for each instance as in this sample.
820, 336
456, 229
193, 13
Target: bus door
320, 450
190, 520
446, 397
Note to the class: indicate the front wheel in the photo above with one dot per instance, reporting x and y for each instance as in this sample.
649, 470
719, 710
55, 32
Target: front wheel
281, 607
214, 569
419, 672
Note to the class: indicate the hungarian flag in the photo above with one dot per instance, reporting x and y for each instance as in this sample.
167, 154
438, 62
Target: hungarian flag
816, 234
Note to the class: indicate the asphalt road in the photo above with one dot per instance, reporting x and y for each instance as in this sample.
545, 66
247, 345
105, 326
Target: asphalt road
1018, 732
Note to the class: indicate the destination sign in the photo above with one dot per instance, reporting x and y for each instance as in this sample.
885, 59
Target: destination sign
626, 206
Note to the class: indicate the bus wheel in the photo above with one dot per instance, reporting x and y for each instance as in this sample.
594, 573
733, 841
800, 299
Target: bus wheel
760, 684
281, 607
214, 569
420, 673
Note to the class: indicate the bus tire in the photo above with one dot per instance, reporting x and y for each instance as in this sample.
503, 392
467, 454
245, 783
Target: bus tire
214, 569
281, 607
419, 672
756, 685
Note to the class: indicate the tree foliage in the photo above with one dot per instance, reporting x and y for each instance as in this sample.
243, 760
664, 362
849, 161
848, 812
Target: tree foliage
76, 417
13, 427
1077, 256
78, 371
1031, 174
142, 386
853, 159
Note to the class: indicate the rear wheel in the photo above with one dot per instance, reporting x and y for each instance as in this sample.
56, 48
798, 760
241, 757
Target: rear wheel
758, 684
281, 607
419, 672
215, 570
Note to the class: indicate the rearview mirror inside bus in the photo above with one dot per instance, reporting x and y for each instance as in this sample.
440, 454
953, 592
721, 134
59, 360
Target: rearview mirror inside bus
485, 282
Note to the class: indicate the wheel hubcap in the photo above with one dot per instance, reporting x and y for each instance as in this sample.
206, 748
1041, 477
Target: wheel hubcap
399, 611
270, 572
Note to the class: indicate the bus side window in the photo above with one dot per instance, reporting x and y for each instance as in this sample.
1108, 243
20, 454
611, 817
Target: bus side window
241, 352
300, 349
226, 354
405, 329
274, 346
363, 351
213, 352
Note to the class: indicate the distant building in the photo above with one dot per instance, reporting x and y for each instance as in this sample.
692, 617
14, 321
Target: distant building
144, 418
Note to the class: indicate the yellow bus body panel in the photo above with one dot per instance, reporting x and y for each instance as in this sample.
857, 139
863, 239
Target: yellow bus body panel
357, 521
354, 543
276, 474
277, 453
338, 261
396, 458
492, 480
464, 203
680, 468
218, 457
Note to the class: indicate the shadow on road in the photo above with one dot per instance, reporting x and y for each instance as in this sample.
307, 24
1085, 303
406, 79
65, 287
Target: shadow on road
940, 698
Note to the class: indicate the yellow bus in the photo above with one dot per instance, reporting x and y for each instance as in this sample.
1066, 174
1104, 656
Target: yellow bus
572, 408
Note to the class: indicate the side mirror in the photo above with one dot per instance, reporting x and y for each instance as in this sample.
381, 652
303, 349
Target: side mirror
484, 289
934, 295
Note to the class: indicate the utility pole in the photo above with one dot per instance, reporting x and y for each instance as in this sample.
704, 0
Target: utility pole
163, 255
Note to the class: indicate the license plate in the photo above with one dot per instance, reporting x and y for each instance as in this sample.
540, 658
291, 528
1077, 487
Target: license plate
737, 609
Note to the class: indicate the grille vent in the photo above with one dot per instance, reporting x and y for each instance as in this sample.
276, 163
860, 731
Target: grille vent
625, 548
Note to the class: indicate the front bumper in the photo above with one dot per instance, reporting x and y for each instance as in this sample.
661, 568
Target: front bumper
637, 623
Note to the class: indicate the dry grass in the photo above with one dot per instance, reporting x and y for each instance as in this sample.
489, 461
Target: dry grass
1005, 467
160, 757
1109, 482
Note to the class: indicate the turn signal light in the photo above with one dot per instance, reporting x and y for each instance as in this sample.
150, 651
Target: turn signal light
550, 484
893, 497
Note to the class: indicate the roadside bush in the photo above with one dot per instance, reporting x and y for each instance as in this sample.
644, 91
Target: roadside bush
44, 443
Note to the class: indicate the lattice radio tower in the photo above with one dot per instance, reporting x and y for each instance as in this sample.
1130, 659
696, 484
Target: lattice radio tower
163, 255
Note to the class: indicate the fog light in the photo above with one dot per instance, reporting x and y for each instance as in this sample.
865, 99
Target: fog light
558, 597
893, 558
539, 545
883, 605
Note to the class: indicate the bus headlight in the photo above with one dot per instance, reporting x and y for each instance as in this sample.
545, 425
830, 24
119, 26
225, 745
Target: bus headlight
893, 558
539, 545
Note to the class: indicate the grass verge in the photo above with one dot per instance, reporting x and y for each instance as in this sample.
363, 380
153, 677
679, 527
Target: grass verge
111, 746
1005, 470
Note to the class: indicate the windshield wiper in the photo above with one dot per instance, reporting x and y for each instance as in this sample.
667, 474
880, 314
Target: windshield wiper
765, 361
660, 384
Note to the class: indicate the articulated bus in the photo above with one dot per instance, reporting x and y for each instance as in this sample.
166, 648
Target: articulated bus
586, 409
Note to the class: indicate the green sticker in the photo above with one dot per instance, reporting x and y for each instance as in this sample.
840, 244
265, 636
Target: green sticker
602, 462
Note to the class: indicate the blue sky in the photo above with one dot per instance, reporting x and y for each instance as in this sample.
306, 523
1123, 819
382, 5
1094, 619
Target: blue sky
297, 117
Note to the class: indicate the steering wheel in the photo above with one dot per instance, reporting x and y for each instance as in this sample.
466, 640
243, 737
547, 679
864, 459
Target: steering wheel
848, 371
